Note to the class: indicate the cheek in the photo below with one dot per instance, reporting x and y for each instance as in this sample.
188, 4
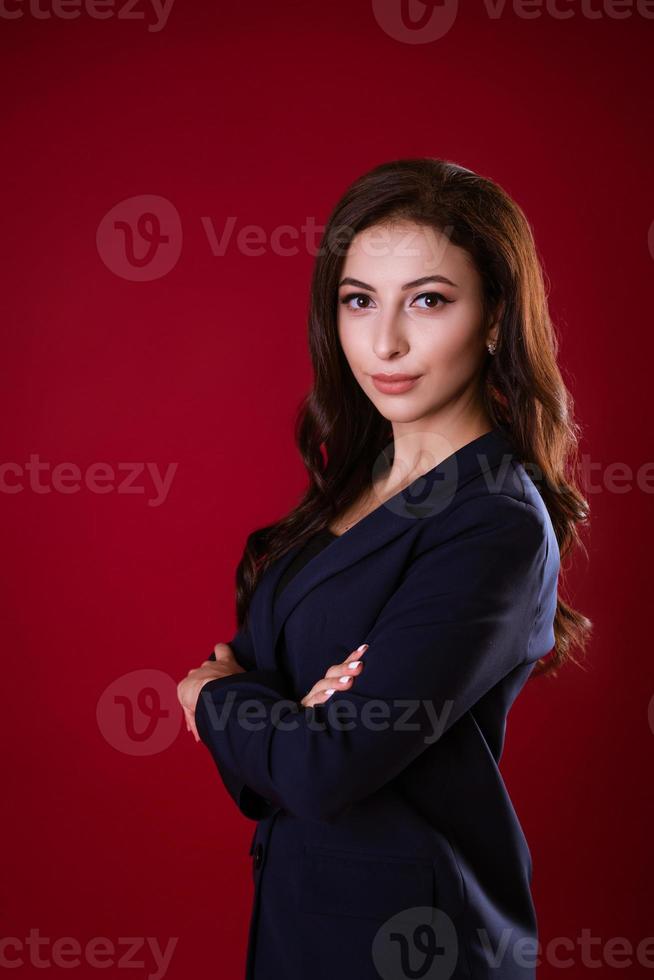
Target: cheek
451, 346
352, 342
341, 333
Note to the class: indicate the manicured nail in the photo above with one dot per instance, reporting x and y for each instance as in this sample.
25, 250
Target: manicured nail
330, 690
362, 648
353, 664
343, 680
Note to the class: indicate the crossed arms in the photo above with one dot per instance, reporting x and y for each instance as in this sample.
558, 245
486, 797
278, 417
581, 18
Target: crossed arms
459, 621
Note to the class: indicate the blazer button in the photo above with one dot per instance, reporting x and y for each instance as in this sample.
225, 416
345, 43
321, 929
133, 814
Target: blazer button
258, 855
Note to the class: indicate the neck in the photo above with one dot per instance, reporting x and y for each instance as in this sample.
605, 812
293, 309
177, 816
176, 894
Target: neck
417, 450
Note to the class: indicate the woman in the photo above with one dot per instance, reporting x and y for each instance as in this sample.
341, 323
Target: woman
388, 622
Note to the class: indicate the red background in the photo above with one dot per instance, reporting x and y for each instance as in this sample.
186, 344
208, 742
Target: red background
265, 113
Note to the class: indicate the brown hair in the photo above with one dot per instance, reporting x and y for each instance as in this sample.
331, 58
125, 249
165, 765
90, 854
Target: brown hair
340, 433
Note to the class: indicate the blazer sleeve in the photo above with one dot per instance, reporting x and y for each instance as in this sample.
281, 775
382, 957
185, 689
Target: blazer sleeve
250, 803
243, 649
459, 620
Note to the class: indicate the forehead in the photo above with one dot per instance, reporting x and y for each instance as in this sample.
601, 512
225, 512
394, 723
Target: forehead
403, 251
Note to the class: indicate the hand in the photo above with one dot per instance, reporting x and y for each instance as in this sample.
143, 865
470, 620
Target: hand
188, 689
323, 689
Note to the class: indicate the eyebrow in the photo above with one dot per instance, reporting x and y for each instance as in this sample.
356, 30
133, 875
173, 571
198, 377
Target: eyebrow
349, 281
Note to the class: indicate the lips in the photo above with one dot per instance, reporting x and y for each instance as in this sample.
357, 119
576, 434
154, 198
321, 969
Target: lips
394, 384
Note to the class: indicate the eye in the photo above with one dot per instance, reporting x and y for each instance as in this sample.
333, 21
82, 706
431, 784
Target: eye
434, 301
432, 297
345, 300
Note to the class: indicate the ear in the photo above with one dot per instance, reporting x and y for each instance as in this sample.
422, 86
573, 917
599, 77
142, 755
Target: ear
494, 326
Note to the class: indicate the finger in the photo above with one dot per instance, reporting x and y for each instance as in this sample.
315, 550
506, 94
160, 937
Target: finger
342, 673
185, 695
350, 669
352, 664
317, 697
327, 686
356, 653
190, 723
319, 692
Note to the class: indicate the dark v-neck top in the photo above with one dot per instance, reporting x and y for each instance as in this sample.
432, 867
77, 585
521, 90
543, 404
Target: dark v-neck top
311, 547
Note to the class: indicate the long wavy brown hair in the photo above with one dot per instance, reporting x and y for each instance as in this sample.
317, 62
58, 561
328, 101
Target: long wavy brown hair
340, 433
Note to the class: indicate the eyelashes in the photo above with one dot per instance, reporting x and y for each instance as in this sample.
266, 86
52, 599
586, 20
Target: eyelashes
345, 301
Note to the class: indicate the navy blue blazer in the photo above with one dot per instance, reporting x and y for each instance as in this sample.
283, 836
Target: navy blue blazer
386, 843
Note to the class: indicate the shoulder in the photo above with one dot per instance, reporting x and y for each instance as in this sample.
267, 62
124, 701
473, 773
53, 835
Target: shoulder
504, 509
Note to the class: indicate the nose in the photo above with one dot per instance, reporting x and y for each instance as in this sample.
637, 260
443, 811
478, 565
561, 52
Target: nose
390, 338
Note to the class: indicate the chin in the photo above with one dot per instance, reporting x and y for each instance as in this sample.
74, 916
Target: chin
401, 413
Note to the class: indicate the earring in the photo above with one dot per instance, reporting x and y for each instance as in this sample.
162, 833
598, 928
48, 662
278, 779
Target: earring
491, 347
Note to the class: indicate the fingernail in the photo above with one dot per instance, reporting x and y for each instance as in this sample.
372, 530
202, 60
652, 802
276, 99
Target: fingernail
362, 648
330, 690
343, 680
353, 664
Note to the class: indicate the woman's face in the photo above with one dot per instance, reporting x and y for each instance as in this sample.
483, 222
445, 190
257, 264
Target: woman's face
410, 302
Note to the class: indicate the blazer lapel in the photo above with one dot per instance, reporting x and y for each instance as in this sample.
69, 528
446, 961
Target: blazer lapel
428, 494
